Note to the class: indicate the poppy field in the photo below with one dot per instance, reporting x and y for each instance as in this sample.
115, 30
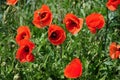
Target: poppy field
59, 39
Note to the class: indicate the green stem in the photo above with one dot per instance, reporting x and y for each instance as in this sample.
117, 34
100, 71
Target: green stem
107, 25
61, 51
5, 14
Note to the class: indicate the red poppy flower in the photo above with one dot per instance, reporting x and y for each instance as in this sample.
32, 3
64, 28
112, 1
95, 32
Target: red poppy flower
112, 4
56, 35
114, 50
42, 17
23, 32
24, 53
73, 69
95, 21
73, 23
12, 2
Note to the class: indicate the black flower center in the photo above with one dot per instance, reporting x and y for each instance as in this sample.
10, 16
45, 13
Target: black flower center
26, 49
42, 15
54, 35
23, 35
72, 24
118, 49
114, 0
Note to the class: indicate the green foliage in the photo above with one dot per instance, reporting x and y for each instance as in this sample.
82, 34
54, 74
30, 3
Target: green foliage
50, 60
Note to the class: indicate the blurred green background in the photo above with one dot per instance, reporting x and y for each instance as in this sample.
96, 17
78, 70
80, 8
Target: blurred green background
50, 60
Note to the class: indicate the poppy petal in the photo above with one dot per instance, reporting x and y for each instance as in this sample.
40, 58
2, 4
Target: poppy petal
73, 23
56, 34
94, 22
112, 4
11, 2
114, 50
30, 57
23, 32
23, 53
73, 69
42, 17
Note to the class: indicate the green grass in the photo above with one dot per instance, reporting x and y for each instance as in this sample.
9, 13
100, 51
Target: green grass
50, 60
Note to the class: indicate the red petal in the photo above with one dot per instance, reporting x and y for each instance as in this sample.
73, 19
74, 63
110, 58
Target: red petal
73, 23
42, 17
73, 69
11, 2
61, 36
30, 57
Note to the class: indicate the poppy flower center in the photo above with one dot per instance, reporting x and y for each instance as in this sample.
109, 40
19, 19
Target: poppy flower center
23, 35
26, 49
42, 15
113, 0
72, 23
118, 49
54, 35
